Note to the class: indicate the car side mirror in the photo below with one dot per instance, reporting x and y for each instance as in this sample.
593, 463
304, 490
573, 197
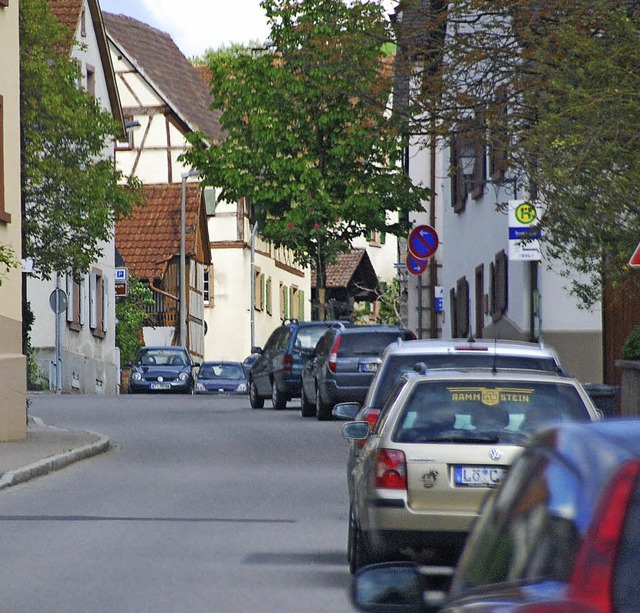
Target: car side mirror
356, 430
346, 410
392, 587
197, 364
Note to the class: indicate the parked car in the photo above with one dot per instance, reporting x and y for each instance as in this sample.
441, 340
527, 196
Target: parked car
343, 364
276, 372
162, 369
401, 357
560, 534
221, 378
247, 363
443, 441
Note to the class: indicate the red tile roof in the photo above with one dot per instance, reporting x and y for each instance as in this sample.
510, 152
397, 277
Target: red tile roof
150, 238
343, 272
66, 12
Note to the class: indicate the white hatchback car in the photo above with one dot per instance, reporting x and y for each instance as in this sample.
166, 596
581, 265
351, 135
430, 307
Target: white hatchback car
443, 440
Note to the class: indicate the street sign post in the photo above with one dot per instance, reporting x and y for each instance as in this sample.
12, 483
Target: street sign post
423, 242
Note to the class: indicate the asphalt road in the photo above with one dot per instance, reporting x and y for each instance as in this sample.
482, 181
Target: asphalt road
203, 504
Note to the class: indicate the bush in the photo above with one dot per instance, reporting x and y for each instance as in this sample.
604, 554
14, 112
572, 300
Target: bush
631, 347
131, 317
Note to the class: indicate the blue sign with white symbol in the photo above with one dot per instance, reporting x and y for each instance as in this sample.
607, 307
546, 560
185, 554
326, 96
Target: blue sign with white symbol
416, 266
423, 242
439, 298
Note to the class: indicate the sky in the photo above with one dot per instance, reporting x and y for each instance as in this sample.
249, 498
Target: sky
198, 25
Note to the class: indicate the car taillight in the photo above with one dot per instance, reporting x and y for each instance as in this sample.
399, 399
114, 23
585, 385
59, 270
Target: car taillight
371, 417
286, 362
391, 469
592, 577
333, 355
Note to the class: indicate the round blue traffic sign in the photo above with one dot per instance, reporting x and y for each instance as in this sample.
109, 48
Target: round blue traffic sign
415, 265
423, 242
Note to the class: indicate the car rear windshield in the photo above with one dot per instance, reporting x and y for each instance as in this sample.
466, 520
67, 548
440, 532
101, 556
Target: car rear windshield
366, 343
397, 365
307, 338
506, 411
221, 371
162, 357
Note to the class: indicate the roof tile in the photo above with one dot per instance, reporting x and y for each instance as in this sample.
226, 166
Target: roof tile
151, 236
158, 58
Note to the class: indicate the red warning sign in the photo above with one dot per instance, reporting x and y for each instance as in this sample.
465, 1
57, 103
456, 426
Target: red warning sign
635, 258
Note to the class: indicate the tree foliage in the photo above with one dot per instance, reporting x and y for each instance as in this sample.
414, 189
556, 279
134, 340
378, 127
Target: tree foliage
556, 83
308, 139
70, 192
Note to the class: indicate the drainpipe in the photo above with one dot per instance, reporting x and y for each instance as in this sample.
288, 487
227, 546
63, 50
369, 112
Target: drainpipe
183, 258
253, 285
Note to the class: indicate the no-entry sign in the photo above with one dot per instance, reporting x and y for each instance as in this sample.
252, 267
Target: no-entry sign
423, 242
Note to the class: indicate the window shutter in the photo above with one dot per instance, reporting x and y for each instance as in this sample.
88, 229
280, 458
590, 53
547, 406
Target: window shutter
93, 301
301, 304
82, 300
268, 296
105, 304
70, 296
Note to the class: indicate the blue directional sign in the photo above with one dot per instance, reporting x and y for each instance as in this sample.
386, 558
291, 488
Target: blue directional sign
416, 266
423, 242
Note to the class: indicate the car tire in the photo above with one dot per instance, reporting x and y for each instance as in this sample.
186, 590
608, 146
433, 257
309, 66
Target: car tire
255, 400
323, 411
307, 408
357, 553
278, 399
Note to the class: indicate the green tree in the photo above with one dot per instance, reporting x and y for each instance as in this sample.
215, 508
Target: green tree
70, 192
131, 317
554, 84
308, 136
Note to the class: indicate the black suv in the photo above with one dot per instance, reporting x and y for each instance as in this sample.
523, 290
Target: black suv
343, 364
276, 371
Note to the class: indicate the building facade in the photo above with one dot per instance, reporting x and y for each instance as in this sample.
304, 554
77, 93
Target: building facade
13, 398
249, 286
82, 337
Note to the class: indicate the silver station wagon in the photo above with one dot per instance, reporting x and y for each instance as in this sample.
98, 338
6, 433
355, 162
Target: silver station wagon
442, 442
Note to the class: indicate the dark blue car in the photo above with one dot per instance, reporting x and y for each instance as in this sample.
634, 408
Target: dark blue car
163, 369
221, 378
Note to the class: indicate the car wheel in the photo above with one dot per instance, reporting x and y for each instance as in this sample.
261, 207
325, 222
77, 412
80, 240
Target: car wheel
323, 412
357, 553
278, 399
307, 408
256, 401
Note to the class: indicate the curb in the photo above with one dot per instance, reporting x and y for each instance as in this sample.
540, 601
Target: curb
55, 462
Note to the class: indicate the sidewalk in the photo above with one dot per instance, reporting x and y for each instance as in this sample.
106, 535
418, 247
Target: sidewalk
45, 449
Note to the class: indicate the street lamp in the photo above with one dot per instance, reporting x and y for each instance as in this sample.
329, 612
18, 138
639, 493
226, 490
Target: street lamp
467, 163
183, 257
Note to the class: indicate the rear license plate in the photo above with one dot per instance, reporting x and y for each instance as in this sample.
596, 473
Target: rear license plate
368, 366
160, 386
478, 476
